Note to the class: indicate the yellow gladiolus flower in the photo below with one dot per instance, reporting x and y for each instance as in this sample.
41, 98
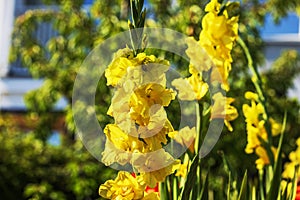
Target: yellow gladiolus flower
155, 142
200, 87
263, 157
191, 88
253, 131
112, 154
132, 104
184, 136
295, 156
275, 127
222, 109
286, 186
146, 73
199, 57
255, 125
290, 168
117, 68
154, 166
157, 120
251, 96
120, 139
213, 6
253, 113
119, 109
184, 88
119, 146
217, 37
123, 60
125, 186
154, 93
146, 96
151, 196
182, 170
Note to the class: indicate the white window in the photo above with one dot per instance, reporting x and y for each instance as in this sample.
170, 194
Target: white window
6, 25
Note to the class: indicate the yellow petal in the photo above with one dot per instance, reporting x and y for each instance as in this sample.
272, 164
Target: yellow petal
116, 70
151, 196
184, 136
155, 166
184, 88
198, 56
251, 96
125, 186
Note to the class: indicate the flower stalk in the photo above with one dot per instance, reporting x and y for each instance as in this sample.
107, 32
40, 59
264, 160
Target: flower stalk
256, 79
138, 16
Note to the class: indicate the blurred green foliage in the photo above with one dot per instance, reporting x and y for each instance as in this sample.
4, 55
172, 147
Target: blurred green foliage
32, 169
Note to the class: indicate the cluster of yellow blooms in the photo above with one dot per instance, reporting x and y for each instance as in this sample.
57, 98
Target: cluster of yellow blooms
290, 168
141, 127
211, 53
125, 186
255, 126
217, 38
222, 109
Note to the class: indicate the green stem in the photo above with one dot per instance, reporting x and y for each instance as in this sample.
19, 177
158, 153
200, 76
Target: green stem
175, 188
261, 187
198, 128
256, 77
198, 184
269, 177
198, 140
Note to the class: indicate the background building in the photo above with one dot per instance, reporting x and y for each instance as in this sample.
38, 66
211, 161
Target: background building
15, 79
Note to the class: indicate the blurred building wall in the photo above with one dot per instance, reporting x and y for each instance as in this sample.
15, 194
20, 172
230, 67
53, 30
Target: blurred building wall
6, 25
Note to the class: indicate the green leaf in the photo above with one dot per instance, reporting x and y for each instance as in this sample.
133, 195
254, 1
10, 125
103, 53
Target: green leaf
140, 5
292, 195
232, 177
228, 168
190, 180
228, 186
163, 190
253, 194
134, 12
284, 195
204, 192
142, 19
275, 185
243, 190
